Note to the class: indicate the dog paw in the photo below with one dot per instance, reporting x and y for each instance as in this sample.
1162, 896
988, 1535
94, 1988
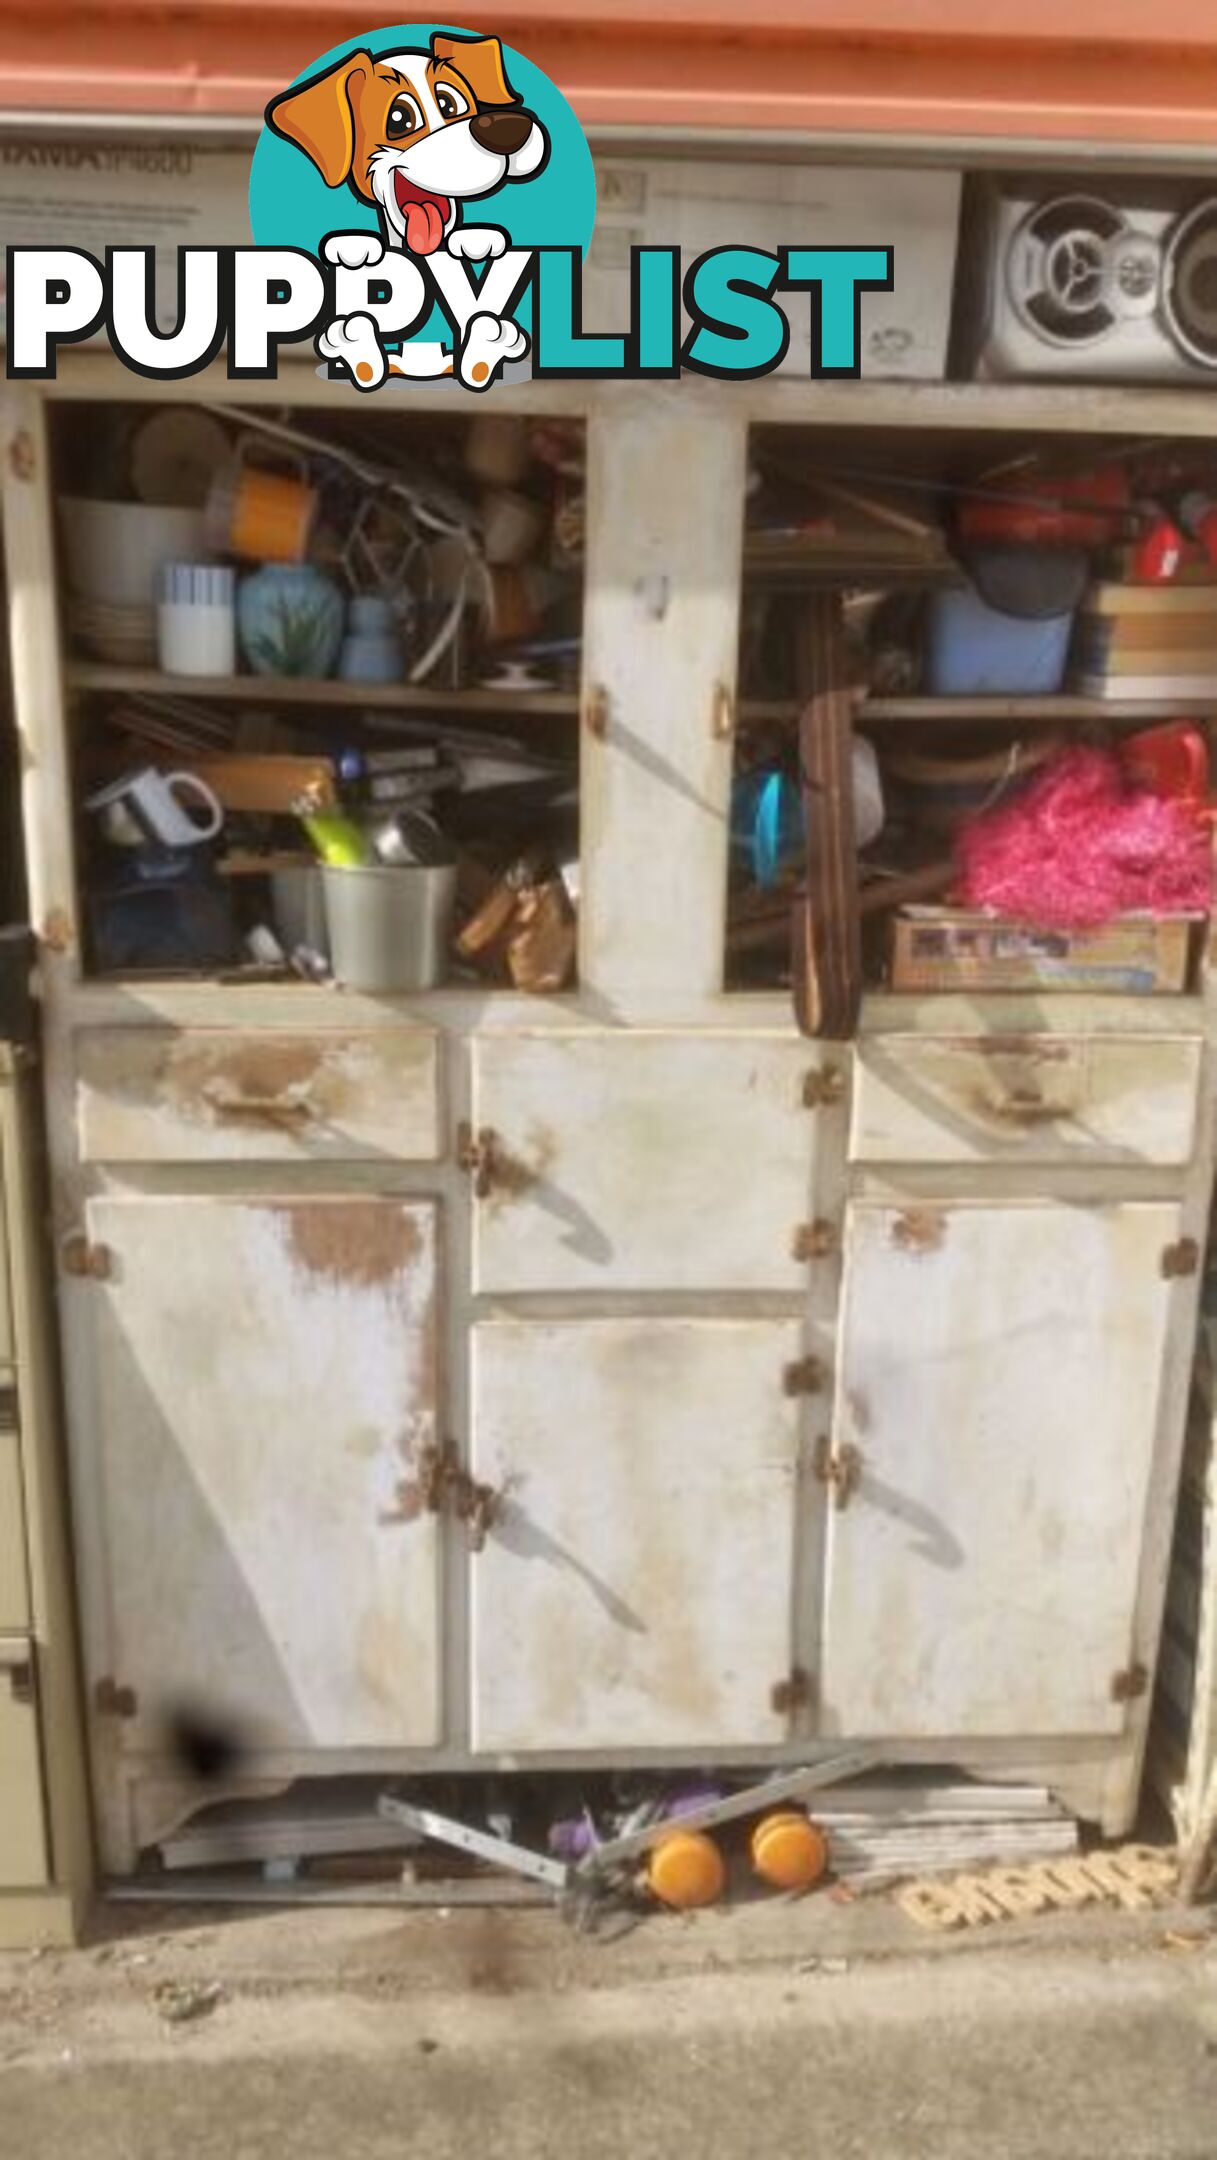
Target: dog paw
477, 243
354, 250
491, 340
352, 339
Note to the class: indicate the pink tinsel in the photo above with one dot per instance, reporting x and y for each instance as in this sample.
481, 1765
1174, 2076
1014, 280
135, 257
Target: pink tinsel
1078, 845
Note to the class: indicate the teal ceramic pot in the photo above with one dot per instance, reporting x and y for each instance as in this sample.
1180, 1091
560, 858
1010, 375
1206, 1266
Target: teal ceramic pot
289, 620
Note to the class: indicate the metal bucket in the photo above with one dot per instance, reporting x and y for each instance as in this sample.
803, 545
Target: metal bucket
389, 926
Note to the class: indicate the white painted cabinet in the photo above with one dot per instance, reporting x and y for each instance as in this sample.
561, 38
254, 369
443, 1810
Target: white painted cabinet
607, 1153
636, 1589
998, 1387
266, 1384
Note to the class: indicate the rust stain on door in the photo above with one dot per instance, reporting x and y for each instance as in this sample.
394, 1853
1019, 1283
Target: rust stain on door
350, 1241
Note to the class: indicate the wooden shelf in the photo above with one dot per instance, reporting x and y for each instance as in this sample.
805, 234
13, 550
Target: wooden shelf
309, 690
1037, 711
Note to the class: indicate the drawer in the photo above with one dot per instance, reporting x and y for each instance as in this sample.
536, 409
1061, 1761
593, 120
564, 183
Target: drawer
1025, 1098
14, 1579
150, 1095
641, 1160
23, 1841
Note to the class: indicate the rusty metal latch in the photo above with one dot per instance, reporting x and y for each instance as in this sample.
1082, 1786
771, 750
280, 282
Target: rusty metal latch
1126, 1686
1182, 1258
79, 1257
814, 1240
478, 1153
838, 1468
448, 1488
596, 710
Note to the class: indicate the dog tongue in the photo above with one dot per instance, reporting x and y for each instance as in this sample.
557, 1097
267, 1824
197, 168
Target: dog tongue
424, 227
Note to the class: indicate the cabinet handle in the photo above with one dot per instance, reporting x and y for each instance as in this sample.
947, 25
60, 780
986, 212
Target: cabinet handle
1026, 1106
21, 1681
238, 1109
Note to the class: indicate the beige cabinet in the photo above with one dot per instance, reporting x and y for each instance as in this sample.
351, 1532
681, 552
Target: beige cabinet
334, 1262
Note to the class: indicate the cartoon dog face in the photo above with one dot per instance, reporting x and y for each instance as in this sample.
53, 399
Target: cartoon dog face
415, 133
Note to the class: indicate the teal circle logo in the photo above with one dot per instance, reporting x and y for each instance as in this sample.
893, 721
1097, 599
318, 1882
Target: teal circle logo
440, 142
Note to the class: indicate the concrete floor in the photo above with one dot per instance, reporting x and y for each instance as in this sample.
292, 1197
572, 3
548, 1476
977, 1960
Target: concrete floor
768, 2030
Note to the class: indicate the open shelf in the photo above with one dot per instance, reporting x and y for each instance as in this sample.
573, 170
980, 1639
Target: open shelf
311, 690
1028, 710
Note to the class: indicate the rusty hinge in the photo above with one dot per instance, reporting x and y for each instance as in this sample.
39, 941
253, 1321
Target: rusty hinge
1182, 1258
804, 1376
596, 710
795, 1692
1126, 1686
840, 1468
447, 1487
823, 1085
814, 1240
79, 1257
111, 1700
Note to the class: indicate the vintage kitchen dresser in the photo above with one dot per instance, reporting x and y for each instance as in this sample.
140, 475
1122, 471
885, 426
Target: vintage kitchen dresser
823, 1390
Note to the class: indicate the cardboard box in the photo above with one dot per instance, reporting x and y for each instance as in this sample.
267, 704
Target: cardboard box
957, 949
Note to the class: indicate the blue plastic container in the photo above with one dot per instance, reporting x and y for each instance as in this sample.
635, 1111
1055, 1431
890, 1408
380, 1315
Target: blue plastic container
974, 650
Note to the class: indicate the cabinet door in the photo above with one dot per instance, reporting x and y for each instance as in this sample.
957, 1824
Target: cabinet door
643, 1161
636, 1588
999, 1376
266, 1384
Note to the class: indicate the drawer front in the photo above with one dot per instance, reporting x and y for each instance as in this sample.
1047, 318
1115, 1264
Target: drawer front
1035, 1099
645, 1160
148, 1095
23, 1841
14, 1578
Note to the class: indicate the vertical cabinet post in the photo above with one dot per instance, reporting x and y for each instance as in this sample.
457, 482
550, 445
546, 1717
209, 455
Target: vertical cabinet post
665, 497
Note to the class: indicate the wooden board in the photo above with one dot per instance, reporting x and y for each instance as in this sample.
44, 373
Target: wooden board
827, 948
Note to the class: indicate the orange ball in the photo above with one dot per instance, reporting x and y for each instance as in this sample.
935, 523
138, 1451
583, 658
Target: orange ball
789, 1851
685, 1869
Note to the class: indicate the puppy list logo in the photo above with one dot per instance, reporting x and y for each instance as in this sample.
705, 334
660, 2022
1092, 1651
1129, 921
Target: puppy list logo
421, 202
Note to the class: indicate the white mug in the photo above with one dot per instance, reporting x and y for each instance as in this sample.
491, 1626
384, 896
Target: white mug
196, 619
147, 805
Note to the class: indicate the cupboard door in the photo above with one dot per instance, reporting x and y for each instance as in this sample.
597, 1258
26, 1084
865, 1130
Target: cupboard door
642, 1161
266, 1384
999, 1377
635, 1589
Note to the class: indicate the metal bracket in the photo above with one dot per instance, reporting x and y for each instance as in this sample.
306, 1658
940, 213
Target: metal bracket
1182, 1258
838, 1468
501, 1852
790, 1786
